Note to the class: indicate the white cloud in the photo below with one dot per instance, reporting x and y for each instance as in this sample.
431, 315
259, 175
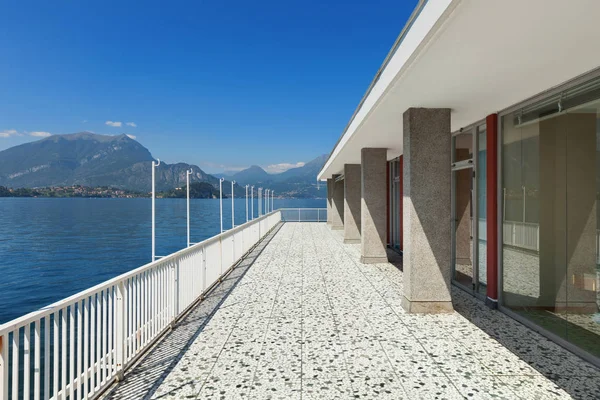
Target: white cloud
277, 168
114, 124
84, 121
9, 132
132, 124
40, 134
131, 136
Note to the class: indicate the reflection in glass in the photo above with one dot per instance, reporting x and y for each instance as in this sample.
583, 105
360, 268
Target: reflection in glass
550, 189
463, 144
481, 209
463, 236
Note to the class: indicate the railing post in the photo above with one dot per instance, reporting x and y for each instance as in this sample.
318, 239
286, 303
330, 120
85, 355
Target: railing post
175, 291
203, 266
120, 330
298, 215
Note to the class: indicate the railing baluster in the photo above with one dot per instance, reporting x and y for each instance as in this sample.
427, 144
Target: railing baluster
145, 311
154, 303
71, 381
175, 284
129, 329
55, 357
4, 366
86, 347
47, 358
95, 344
120, 330
26, 360
109, 363
36, 361
137, 331
63, 353
79, 348
102, 374
15, 369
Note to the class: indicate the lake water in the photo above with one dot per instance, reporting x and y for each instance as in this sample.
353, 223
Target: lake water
53, 248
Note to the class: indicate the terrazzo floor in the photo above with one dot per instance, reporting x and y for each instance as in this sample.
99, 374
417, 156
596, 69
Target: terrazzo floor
307, 320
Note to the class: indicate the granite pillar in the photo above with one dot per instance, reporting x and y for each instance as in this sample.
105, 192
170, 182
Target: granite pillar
352, 203
329, 200
427, 215
337, 204
373, 206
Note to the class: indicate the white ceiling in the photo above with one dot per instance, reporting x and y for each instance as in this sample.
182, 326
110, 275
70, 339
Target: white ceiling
476, 58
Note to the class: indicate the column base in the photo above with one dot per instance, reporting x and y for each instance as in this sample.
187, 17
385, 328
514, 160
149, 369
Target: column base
373, 260
351, 241
427, 307
337, 227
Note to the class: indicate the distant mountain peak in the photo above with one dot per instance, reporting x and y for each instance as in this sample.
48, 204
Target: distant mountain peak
86, 135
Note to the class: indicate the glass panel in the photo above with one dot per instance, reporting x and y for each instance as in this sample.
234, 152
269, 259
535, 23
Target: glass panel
581, 135
463, 216
395, 205
534, 257
463, 147
482, 209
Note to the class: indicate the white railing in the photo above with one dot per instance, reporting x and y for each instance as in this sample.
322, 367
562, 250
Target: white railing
526, 235
521, 234
76, 347
303, 214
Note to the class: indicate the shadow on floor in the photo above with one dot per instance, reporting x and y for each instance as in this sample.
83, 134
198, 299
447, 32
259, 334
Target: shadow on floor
144, 379
567, 371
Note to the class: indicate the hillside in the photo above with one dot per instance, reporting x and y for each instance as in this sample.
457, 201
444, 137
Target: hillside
92, 160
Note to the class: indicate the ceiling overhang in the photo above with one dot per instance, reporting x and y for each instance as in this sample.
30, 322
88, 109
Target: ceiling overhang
476, 58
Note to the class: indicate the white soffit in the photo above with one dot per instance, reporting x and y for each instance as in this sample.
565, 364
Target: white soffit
476, 58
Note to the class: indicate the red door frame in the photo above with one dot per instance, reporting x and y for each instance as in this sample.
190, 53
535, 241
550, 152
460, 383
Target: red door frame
491, 122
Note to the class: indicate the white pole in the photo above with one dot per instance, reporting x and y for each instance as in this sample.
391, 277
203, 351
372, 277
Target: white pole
246, 203
272, 201
259, 202
154, 165
504, 204
523, 204
188, 205
266, 197
232, 208
221, 202
252, 200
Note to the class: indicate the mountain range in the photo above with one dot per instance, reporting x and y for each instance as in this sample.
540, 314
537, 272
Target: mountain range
90, 159
295, 182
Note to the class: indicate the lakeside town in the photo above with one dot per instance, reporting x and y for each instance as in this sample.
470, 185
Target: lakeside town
197, 190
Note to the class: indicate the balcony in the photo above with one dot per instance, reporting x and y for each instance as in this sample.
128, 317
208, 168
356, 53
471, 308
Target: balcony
300, 317
277, 309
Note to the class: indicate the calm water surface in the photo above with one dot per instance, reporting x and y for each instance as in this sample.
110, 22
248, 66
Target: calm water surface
53, 248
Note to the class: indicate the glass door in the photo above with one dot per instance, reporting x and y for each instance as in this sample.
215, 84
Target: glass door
464, 253
395, 202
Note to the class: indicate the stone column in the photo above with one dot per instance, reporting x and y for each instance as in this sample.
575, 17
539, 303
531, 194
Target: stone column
337, 204
329, 200
427, 214
352, 203
373, 206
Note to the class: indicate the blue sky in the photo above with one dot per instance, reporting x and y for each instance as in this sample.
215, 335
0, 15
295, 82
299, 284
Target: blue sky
221, 84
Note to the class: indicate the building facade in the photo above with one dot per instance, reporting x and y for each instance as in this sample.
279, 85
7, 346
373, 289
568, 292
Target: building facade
476, 153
